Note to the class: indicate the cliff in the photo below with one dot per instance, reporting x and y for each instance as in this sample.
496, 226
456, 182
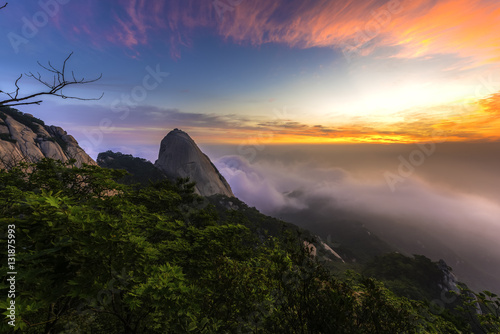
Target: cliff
179, 156
26, 138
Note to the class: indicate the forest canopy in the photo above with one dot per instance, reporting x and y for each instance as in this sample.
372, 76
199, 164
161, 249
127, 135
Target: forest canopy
96, 256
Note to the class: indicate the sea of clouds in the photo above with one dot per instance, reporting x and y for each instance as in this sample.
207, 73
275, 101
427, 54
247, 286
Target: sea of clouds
446, 209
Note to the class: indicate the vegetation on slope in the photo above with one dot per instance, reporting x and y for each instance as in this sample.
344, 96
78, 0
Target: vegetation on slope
94, 256
28, 120
140, 171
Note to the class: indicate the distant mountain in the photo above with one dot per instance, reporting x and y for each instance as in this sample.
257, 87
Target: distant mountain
141, 170
228, 208
179, 156
340, 247
26, 138
263, 226
345, 245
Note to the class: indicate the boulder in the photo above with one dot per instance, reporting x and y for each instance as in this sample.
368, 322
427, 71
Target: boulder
179, 156
25, 138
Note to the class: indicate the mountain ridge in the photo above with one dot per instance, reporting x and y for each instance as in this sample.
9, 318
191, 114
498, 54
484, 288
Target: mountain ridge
26, 138
417, 277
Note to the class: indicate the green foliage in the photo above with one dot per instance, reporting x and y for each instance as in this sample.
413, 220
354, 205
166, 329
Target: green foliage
482, 309
232, 210
94, 256
140, 170
414, 277
30, 121
60, 142
7, 137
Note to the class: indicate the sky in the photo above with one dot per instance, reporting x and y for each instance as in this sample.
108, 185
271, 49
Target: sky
286, 71
385, 109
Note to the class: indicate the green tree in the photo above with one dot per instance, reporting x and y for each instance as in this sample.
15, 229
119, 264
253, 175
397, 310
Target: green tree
94, 256
482, 309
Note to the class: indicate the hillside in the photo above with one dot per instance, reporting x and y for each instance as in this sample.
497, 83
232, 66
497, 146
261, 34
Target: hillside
345, 245
104, 250
143, 172
159, 259
140, 170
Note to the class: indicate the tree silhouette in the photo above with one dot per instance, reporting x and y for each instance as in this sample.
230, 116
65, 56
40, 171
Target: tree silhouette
54, 86
60, 79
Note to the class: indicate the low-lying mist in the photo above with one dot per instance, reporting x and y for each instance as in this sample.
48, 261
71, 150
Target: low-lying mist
443, 202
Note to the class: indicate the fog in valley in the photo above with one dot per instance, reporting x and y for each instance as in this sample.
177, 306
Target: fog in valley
440, 200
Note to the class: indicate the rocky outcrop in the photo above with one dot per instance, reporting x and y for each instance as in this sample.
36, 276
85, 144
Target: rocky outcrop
26, 138
323, 248
179, 156
450, 282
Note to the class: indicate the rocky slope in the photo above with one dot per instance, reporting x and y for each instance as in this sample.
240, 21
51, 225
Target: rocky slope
179, 156
26, 138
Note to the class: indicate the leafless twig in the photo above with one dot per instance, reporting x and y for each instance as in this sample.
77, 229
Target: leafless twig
60, 80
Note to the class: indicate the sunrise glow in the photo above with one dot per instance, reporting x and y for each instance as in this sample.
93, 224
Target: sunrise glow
296, 72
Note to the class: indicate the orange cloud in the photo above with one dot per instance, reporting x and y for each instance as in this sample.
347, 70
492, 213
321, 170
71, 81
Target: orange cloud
483, 123
411, 28
478, 121
420, 27
465, 27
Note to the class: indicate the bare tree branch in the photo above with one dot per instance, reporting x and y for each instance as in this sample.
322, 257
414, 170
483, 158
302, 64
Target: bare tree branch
54, 86
4, 5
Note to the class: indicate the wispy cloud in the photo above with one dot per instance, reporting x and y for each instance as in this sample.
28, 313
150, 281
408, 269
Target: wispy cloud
476, 120
408, 28
481, 121
419, 28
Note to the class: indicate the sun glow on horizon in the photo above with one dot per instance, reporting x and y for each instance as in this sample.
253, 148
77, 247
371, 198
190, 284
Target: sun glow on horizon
395, 71
465, 120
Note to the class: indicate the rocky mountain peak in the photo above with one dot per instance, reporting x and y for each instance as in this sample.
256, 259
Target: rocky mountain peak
179, 156
26, 138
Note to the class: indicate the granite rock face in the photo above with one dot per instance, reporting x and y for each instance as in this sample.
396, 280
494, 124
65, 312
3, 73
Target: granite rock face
25, 138
179, 156
450, 282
